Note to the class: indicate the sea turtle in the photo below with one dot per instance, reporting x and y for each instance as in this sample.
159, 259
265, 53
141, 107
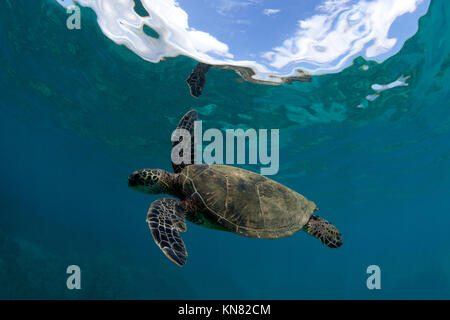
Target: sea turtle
197, 78
225, 198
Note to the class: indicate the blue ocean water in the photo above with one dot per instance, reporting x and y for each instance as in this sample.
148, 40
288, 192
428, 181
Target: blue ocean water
79, 113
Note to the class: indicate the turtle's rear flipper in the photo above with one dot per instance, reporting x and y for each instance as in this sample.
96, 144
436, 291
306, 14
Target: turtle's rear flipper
327, 233
166, 220
197, 79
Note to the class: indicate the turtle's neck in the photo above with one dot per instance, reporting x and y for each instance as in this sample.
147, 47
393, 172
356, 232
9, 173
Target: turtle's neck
171, 184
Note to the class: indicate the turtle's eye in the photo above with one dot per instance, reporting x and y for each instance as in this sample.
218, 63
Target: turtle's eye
154, 180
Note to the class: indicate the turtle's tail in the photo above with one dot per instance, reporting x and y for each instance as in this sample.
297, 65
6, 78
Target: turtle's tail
321, 229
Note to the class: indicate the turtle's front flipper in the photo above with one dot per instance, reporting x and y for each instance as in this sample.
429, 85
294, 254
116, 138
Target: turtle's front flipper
166, 219
327, 233
197, 79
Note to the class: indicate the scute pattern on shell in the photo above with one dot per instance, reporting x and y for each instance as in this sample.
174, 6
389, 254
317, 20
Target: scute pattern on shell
244, 202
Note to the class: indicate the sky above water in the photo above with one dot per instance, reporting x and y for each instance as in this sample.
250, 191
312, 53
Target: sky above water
271, 37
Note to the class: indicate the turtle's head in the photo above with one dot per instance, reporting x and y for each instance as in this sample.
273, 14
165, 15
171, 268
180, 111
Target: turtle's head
153, 181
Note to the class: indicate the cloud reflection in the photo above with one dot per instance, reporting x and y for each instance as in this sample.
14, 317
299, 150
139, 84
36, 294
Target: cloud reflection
325, 42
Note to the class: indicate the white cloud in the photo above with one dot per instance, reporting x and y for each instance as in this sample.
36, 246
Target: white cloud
343, 29
269, 12
120, 23
225, 6
333, 5
323, 43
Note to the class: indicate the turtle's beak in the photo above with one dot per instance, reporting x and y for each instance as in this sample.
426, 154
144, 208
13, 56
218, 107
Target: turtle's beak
133, 179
